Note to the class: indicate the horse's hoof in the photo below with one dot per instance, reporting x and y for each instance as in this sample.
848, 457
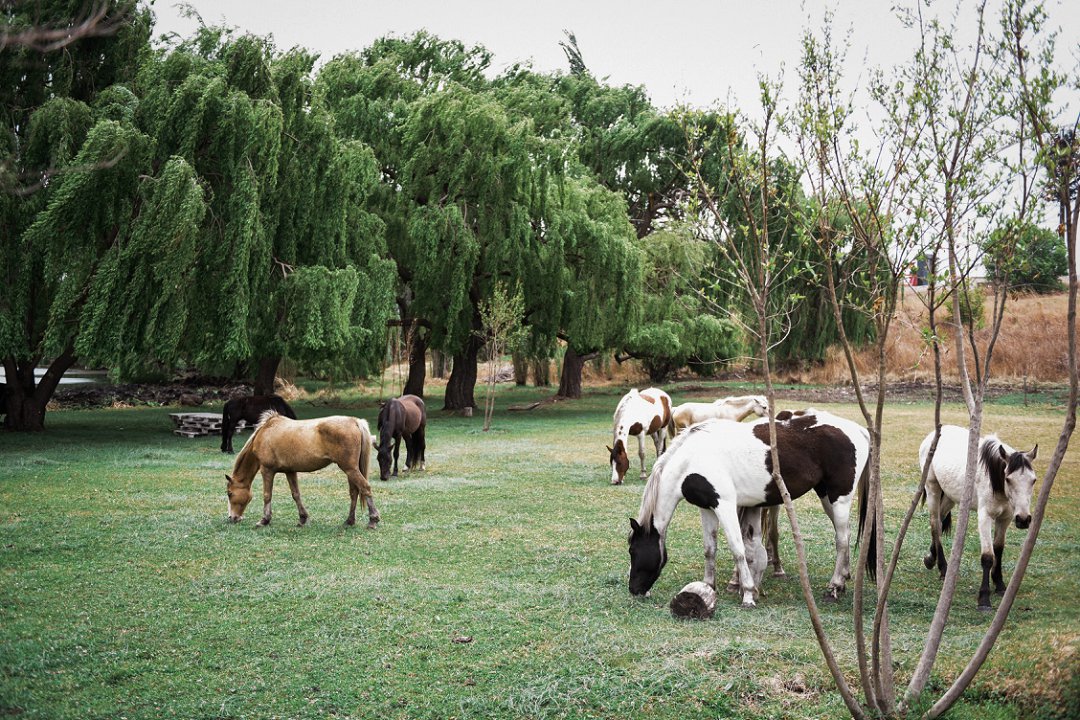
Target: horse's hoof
350, 522
372, 524
262, 523
832, 595
748, 605
779, 573
929, 561
616, 482
985, 608
733, 587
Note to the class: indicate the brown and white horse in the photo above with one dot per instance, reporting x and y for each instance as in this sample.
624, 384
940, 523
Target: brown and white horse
721, 466
639, 413
403, 417
280, 444
729, 408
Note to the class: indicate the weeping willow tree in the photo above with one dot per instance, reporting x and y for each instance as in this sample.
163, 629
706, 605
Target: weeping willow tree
805, 330
476, 190
175, 225
678, 327
70, 189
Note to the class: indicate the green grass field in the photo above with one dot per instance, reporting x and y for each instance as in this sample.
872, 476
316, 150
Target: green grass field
125, 594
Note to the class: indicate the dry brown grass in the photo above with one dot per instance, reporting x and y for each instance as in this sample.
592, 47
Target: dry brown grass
1032, 345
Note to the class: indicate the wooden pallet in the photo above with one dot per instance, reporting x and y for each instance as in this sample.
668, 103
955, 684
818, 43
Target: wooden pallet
200, 424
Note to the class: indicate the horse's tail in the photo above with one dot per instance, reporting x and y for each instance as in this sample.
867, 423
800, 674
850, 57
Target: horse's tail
671, 431
365, 446
226, 425
864, 506
946, 523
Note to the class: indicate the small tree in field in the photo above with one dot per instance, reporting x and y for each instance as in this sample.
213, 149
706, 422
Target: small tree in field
501, 318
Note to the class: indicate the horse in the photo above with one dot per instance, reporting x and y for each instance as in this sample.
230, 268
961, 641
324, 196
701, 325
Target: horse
722, 465
249, 409
1004, 482
729, 408
281, 444
639, 413
403, 417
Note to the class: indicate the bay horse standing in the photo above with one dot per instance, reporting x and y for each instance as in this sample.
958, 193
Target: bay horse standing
721, 466
403, 417
639, 413
1004, 481
729, 408
249, 409
281, 444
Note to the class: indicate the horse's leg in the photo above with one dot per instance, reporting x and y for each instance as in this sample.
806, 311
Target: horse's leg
397, 449
268, 492
708, 535
1000, 526
226, 435
772, 543
419, 445
641, 452
840, 514
756, 557
986, 556
728, 515
658, 442
933, 509
359, 487
294, 488
945, 506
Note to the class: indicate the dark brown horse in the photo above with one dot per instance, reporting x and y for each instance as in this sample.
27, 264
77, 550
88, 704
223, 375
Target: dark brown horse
249, 409
403, 417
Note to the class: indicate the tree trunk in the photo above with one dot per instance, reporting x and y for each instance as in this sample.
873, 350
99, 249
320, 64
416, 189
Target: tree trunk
541, 369
27, 401
570, 381
264, 376
462, 383
414, 385
438, 364
521, 369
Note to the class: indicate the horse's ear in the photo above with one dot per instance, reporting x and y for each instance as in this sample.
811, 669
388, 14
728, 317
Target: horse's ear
228, 480
1004, 453
634, 525
609, 450
1034, 452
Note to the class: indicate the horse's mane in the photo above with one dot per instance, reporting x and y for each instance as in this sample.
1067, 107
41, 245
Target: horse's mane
652, 487
622, 403
990, 458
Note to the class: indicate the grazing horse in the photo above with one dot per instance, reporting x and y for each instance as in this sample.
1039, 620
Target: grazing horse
249, 409
639, 413
281, 444
729, 408
403, 417
1004, 482
721, 466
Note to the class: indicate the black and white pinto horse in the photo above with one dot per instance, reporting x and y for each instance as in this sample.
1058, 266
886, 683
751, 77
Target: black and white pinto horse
721, 466
1004, 482
647, 412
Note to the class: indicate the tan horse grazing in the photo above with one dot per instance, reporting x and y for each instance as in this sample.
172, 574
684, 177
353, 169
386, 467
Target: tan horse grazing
291, 446
729, 408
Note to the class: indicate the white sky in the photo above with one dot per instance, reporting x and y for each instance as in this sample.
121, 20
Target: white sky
697, 52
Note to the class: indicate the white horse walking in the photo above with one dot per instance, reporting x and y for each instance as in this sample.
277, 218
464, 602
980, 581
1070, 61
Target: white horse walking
729, 408
1004, 482
639, 413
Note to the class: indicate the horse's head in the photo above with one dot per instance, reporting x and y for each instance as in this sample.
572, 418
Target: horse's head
1019, 483
647, 557
620, 463
239, 497
385, 460
759, 405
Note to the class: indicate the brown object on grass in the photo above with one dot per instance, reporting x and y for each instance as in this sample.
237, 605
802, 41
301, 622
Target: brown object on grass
696, 601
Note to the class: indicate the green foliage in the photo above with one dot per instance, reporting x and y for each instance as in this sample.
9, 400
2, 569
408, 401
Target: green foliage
677, 327
972, 304
1026, 257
